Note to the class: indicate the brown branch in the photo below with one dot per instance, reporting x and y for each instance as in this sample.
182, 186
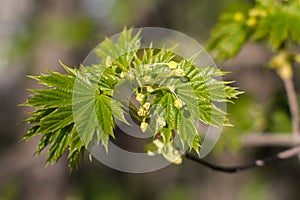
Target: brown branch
289, 153
293, 104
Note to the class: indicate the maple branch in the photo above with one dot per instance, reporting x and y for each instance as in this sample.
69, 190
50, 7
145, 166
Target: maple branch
292, 99
286, 154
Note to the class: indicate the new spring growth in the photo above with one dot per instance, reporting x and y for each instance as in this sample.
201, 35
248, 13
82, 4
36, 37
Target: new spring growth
254, 14
238, 17
108, 61
139, 97
144, 126
123, 74
251, 22
146, 106
178, 103
149, 89
143, 111
281, 62
179, 72
172, 64
161, 121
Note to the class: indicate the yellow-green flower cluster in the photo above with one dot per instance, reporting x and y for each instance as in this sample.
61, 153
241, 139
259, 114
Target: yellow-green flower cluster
254, 14
143, 112
144, 126
161, 121
178, 103
176, 71
172, 64
238, 17
140, 97
149, 89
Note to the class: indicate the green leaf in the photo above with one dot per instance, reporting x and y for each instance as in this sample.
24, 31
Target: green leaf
78, 110
228, 36
164, 107
58, 119
122, 52
117, 111
104, 115
188, 132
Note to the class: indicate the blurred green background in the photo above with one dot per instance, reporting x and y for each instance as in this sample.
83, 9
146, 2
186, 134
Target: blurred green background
35, 34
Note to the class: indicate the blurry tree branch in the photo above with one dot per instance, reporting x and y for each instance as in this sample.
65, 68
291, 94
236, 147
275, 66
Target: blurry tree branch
293, 104
289, 153
269, 139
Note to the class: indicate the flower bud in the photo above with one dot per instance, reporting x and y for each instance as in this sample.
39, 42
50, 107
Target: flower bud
139, 97
172, 64
179, 72
238, 17
178, 103
150, 89
142, 112
161, 121
251, 21
123, 74
144, 126
146, 105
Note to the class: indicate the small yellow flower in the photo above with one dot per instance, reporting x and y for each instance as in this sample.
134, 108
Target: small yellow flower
130, 76
161, 121
139, 97
172, 64
257, 13
263, 13
179, 72
108, 61
150, 89
144, 126
251, 21
123, 74
282, 64
146, 105
285, 71
178, 103
238, 17
142, 112
282, 58
254, 12
147, 78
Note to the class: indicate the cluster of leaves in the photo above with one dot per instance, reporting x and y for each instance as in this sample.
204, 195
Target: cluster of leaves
79, 109
271, 20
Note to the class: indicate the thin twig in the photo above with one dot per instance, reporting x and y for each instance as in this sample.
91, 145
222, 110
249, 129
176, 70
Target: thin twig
289, 153
292, 99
